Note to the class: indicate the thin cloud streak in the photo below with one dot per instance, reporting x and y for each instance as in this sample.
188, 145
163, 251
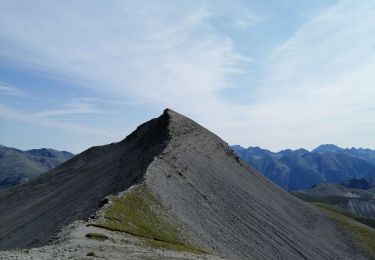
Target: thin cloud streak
11, 91
9, 113
77, 106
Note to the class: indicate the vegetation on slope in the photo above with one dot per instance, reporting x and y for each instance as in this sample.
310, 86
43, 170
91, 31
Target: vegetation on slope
140, 213
367, 221
365, 234
330, 202
321, 199
362, 227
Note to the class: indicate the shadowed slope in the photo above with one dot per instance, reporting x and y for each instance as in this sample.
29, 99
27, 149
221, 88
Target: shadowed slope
32, 213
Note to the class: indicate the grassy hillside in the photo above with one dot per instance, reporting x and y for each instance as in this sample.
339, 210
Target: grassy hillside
138, 212
331, 202
364, 233
367, 221
357, 204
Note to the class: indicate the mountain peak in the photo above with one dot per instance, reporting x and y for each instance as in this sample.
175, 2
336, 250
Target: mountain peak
169, 111
171, 114
327, 148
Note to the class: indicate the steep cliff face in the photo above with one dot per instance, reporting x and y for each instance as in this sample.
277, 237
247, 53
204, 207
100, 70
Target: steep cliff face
186, 172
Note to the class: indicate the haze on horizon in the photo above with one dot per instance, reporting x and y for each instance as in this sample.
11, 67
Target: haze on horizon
274, 74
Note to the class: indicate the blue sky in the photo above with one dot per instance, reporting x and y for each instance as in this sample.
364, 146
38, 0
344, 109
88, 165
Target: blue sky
275, 74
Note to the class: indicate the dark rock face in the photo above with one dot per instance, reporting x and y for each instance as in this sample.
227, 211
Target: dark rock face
300, 169
18, 166
362, 184
226, 205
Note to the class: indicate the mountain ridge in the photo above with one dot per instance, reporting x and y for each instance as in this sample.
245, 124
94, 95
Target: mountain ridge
300, 169
229, 208
362, 153
17, 166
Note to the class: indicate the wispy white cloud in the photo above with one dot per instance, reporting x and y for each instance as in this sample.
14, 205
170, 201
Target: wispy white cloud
11, 91
62, 130
147, 52
241, 24
77, 106
63, 116
247, 21
10, 113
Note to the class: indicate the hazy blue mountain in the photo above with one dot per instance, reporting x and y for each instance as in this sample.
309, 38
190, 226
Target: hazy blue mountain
290, 152
365, 154
327, 148
18, 166
301, 169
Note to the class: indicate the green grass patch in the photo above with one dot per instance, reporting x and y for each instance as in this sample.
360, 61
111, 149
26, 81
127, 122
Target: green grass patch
322, 199
332, 203
366, 235
138, 212
174, 246
96, 236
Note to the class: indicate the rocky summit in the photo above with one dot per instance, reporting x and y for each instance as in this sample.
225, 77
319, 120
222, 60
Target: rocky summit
177, 186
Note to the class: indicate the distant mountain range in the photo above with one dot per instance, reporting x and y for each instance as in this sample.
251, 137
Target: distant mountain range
290, 169
301, 169
18, 166
365, 154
